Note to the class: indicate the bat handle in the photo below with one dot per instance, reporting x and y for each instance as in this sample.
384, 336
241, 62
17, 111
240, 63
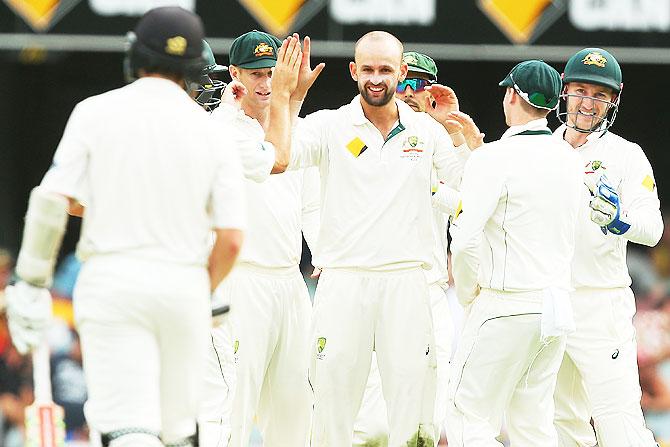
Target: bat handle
42, 373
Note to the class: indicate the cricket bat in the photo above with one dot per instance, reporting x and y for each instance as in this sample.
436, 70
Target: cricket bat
45, 426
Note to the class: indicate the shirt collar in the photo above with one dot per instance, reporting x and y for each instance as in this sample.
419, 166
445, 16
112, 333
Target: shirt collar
590, 138
358, 117
538, 124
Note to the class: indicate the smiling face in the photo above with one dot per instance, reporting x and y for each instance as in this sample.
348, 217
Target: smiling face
587, 105
378, 67
258, 82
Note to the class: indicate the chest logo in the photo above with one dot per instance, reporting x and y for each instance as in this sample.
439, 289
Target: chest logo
356, 147
592, 166
412, 148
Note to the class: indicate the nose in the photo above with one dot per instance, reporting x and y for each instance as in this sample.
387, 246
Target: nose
587, 102
376, 79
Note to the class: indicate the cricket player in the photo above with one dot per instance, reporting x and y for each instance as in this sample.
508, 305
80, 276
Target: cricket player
511, 253
371, 424
375, 157
599, 376
268, 335
148, 166
207, 89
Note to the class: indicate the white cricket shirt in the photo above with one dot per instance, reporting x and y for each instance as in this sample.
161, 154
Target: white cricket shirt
375, 193
279, 206
600, 259
153, 174
520, 201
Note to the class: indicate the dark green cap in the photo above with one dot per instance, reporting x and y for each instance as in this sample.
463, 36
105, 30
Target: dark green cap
420, 63
536, 82
254, 49
210, 62
594, 66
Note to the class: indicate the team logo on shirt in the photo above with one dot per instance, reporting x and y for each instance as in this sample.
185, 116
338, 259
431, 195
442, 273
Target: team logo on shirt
412, 148
592, 166
320, 346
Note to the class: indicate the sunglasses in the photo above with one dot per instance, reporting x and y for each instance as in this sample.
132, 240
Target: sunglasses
418, 85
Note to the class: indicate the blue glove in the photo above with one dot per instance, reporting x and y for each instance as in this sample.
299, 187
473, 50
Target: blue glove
606, 208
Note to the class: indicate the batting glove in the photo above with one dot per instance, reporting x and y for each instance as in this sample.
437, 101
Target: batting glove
606, 208
28, 314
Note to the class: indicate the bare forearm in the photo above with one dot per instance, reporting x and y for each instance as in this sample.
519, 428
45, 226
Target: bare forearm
279, 132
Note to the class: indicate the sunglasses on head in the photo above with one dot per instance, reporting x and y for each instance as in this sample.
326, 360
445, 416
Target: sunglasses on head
418, 85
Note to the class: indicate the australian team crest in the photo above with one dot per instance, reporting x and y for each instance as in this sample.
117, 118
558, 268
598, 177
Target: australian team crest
412, 147
595, 58
263, 49
593, 166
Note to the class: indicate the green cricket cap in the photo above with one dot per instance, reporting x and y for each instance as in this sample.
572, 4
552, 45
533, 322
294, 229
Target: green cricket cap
254, 49
420, 63
536, 82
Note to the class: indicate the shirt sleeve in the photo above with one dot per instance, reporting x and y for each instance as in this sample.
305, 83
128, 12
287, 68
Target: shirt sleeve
311, 206
308, 141
449, 161
67, 174
228, 202
256, 155
639, 200
481, 191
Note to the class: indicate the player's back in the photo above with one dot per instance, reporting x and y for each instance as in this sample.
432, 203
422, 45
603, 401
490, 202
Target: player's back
530, 236
152, 164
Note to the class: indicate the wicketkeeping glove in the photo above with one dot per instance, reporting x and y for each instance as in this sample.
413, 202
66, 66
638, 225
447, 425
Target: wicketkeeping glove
28, 314
606, 208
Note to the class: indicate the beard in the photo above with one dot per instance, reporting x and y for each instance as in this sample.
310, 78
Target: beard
376, 102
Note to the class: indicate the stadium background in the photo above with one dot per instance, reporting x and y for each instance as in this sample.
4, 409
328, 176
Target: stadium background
54, 53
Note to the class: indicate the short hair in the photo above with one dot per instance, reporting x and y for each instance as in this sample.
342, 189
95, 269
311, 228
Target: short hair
379, 36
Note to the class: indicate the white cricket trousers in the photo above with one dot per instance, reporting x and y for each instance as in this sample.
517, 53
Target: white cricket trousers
502, 366
144, 328
216, 410
599, 375
356, 312
371, 424
271, 315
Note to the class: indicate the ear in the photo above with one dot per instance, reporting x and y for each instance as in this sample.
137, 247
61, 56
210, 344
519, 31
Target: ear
352, 71
403, 71
234, 73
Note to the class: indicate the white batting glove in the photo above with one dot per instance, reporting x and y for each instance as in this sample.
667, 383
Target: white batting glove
28, 314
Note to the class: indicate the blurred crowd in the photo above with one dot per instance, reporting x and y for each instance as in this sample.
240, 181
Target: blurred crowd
649, 269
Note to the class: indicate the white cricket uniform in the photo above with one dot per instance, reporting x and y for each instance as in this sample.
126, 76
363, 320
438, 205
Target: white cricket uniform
155, 179
599, 375
260, 355
514, 240
371, 424
375, 237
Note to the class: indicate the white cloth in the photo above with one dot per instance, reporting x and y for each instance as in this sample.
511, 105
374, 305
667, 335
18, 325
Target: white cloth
371, 424
375, 207
520, 198
599, 375
248, 138
557, 316
144, 329
356, 311
270, 314
502, 368
153, 174
600, 260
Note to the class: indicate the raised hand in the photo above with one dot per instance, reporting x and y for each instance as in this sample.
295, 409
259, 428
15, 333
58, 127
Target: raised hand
233, 94
285, 75
444, 101
473, 137
307, 75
